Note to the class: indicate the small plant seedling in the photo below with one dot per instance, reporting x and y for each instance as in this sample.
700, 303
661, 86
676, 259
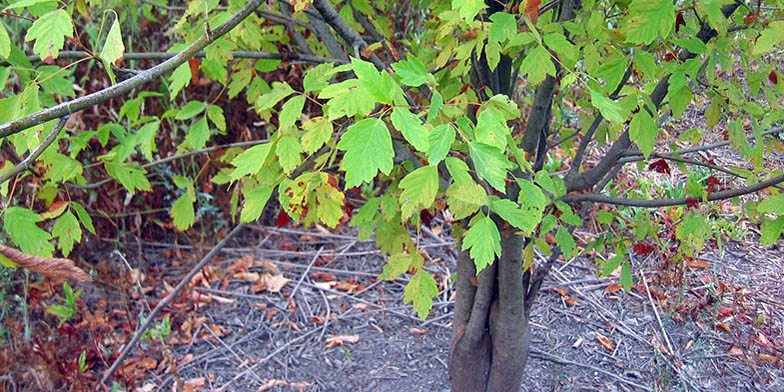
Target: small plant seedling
68, 310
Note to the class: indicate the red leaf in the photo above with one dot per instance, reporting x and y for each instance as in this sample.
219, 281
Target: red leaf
660, 166
194, 64
713, 183
691, 202
283, 219
679, 21
426, 217
532, 10
669, 56
773, 77
750, 18
349, 210
643, 249
49, 60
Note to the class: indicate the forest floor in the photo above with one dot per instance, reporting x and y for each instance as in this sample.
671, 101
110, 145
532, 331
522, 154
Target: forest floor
303, 311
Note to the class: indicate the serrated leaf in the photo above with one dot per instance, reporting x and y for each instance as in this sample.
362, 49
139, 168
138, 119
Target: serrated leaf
459, 171
368, 147
250, 161
411, 71
771, 230
626, 275
5, 46
772, 204
565, 241
400, 263
468, 9
492, 54
130, 176
267, 101
317, 132
611, 110
190, 110
436, 102
411, 127
215, 114
611, 265
491, 128
537, 64
318, 77
179, 79
330, 203
182, 212
647, 19
20, 224
504, 26
67, 231
146, 138
465, 199
288, 151
419, 190
770, 37
525, 220
420, 291
440, 142
24, 3
484, 242
372, 80
290, 113
113, 49
490, 164
255, 201
643, 131
49, 32
84, 217
198, 134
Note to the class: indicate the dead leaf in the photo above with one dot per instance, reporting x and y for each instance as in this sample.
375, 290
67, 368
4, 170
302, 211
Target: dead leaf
318, 320
341, 339
271, 283
323, 276
417, 331
349, 286
613, 288
267, 265
194, 384
769, 358
723, 326
698, 264
58, 270
377, 328
735, 351
608, 345
360, 306
247, 276
561, 290
242, 264
148, 363
571, 301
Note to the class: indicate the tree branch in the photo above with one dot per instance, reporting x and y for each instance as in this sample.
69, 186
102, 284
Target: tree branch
25, 164
127, 85
629, 202
240, 54
345, 31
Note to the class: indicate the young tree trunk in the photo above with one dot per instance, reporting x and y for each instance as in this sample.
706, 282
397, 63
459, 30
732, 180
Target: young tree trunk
492, 337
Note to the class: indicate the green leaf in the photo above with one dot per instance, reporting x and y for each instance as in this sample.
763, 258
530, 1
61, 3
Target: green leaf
318, 77
611, 265
537, 64
330, 203
525, 220
318, 131
490, 164
348, 98
268, 100
772, 204
468, 9
440, 143
370, 78
714, 15
180, 78
400, 263
645, 63
465, 199
611, 110
113, 49
49, 32
132, 177
61, 311
5, 46
215, 114
411, 127
459, 171
420, 291
250, 161
565, 241
692, 230
419, 190
436, 102
84, 217
198, 134
411, 71
491, 128
504, 26
24, 3
368, 147
67, 231
255, 201
182, 212
493, 54
20, 224
290, 113
484, 242
190, 110
626, 275
647, 19
531, 197
770, 37
643, 131
288, 151
771, 230
146, 138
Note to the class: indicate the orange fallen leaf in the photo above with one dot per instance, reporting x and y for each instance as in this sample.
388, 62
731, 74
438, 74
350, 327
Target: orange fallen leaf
341, 339
267, 265
604, 341
323, 276
723, 326
194, 384
698, 264
571, 301
246, 276
613, 288
735, 351
561, 290
271, 283
242, 264
418, 331
769, 358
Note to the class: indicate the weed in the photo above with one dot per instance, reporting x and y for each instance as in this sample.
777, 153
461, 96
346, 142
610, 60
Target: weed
68, 310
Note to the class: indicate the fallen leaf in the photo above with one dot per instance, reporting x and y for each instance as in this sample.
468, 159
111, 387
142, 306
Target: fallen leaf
723, 326
735, 351
194, 384
613, 288
323, 276
318, 320
271, 283
360, 306
698, 264
247, 276
267, 265
148, 363
571, 301
604, 341
769, 358
341, 339
242, 264
417, 331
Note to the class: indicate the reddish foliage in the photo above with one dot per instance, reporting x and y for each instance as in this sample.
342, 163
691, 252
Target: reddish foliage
691, 202
532, 10
194, 63
713, 183
773, 77
349, 210
283, 219
750, 18
679, 21
426, 217
643, 249
669, 56
660, 166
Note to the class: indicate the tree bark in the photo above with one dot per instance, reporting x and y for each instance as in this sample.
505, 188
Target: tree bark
491, 332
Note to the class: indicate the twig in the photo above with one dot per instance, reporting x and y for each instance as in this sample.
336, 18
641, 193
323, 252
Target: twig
240, 54
25, 164
549, 357
656, 312
305, 273
151, 317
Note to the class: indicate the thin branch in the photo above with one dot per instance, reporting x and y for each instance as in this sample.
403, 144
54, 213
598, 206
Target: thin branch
151, 317
343, 29
25, 164
126, 86
241, 54
629, 202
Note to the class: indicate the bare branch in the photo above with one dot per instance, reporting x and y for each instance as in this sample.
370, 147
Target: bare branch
240, 54
127, 85
25, 164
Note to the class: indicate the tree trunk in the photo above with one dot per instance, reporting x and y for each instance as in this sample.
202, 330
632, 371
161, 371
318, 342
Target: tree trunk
491, 333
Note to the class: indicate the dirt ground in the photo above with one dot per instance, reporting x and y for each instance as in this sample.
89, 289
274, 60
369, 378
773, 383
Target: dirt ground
588, 337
